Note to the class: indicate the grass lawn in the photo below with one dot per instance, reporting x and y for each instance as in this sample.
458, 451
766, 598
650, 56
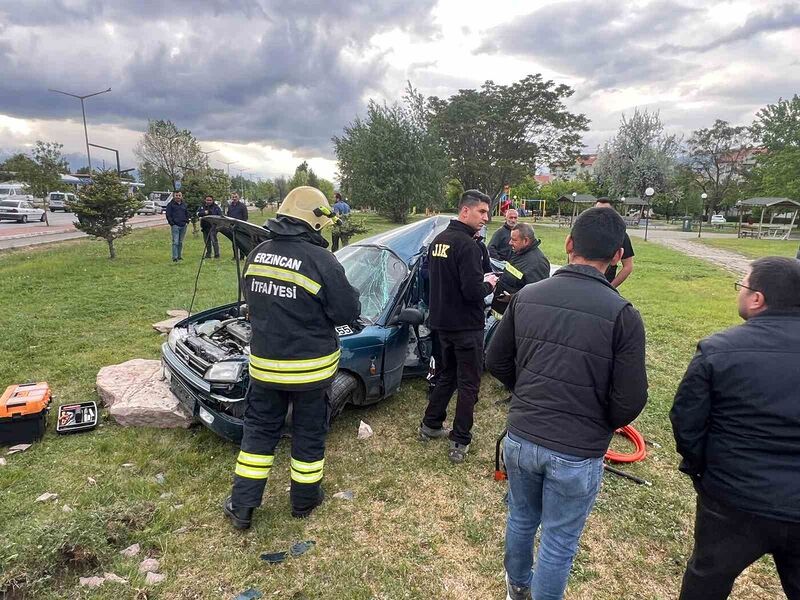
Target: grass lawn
753, 248
418, 527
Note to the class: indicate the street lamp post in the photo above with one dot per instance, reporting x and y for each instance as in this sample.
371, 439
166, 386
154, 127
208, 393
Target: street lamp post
83, 111
703, 197
116, 153
574, 207
649, 195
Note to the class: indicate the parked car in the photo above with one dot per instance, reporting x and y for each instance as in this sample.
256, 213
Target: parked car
205, 358
60, 201
148, 207
718, 220
14, 191
161, 199
21, 211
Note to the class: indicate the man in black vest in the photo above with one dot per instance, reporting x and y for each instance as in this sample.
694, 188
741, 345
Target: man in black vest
572, 350
458, 287
736, 420
498, 246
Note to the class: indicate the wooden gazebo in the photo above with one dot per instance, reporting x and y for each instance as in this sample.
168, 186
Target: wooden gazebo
576, 200
773, 206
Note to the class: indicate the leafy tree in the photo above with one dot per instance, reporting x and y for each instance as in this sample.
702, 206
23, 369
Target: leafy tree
153, 179
500, 133
41, 172
304, 175
16, 168
554, 190
326, 187
391, 158
266, 189
104, 207
777, 174
452, 193
261, 204
281, 187
197, 185
170, 151
777, 126
641, 155
716, 156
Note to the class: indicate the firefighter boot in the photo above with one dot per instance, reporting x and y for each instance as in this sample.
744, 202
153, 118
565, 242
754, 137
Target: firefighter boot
241, 518
303, 512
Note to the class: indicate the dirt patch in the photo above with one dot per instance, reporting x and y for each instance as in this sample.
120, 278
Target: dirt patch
730, 261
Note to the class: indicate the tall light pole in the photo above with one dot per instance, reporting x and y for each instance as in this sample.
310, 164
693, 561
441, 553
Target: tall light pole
83, 110
703, 197
116, 153
207, 153
242, 178
649, 195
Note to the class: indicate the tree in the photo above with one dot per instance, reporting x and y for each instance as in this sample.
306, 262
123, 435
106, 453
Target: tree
198, 184
104, 207
16, 168
777, 126
326, 187
261, 204
41, 172
777, 174
452, 193
266, 190
641, 155
558, 188
282, 187
391, 158
169, 151
498, 134
153, 179
716, 156
303, 175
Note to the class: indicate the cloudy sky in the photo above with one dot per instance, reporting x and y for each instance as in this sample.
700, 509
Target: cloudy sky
267, 83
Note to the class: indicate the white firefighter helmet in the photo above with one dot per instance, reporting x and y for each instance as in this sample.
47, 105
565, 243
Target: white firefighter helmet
309, 205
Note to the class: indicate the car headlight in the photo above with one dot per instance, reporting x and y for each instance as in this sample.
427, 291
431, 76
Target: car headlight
225, 372
177, 333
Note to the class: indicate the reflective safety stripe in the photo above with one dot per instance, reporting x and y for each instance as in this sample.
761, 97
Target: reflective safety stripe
305, 364
496, 315
305, 472
293, 378
255, 460
304, 282
251, 472
513, 270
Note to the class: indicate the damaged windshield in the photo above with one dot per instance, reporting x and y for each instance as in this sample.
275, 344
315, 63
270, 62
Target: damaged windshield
377, 275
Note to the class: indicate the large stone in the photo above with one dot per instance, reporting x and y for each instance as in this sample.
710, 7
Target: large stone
137, 396
167, 325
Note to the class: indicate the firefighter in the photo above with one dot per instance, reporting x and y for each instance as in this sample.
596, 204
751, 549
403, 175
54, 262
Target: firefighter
296, 292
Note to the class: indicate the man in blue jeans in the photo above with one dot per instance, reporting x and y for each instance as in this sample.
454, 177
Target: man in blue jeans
177, 217
572, 350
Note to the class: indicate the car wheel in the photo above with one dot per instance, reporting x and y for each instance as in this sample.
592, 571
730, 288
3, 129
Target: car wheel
24, 219
52, 210
345, 390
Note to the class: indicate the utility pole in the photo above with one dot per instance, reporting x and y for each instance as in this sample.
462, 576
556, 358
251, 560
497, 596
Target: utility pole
114, 150
83, 110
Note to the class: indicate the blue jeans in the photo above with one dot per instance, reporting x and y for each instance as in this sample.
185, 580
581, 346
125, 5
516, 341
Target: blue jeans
554, 490
178, 231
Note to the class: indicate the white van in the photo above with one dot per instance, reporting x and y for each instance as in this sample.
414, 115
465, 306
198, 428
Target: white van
14, 191
161, 199
60, 201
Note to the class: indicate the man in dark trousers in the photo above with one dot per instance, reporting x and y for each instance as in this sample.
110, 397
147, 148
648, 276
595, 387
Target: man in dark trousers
236, 210
613, 277
572, 350
458, 287
297, 293
736, 420
339, 231
178, 218
527, 264
498, 245
210, 240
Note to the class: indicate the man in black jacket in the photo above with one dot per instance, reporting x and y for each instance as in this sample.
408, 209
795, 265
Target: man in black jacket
458, 287
498, 246
297, 293
178, 218
572, 350
736, 420
527, 264
210, 240
236, 210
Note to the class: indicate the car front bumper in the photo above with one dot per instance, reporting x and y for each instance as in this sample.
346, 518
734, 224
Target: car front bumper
194, 392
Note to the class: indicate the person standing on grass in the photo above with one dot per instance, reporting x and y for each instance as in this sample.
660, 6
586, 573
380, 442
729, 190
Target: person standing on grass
236, 210
498, 245
178, 218
736, 421
572, 350
339, 229
613, 277
458, 287
209, 231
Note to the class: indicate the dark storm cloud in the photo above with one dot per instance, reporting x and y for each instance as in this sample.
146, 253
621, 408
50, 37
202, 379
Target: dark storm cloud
243, 71
606, 43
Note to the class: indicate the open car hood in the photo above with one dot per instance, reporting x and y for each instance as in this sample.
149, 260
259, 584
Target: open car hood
248, 235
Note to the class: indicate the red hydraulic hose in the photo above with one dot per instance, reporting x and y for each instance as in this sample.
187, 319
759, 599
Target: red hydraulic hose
638, 441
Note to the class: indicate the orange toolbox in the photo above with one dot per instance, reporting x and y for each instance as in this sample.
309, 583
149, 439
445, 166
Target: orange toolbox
23, 412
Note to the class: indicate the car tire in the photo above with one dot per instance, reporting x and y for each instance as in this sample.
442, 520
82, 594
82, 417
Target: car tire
345, 389
24, 219
52, 210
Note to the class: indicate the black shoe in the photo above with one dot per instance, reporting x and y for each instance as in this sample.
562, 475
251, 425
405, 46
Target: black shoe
217, 256
174, 260
240, 517
302, 514
180, 258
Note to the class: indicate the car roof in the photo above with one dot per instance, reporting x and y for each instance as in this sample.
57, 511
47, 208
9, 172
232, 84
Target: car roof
409, 241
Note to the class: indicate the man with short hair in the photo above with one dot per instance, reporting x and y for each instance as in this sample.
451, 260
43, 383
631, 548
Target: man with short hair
615, 278
237, 210
572, 350
339, 230
498, 246
210, 240
527, 264
178, 218
458, 287
736, 420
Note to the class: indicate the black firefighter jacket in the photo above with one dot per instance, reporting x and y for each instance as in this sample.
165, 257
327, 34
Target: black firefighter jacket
297, 292
736, 416
572, 350
457, 289
529, 266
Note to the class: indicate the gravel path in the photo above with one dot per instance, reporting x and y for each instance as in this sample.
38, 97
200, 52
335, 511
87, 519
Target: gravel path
730, 261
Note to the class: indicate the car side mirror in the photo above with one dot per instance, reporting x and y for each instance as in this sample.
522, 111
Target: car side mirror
411, 316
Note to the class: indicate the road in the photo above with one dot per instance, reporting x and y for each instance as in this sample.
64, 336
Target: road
18, 235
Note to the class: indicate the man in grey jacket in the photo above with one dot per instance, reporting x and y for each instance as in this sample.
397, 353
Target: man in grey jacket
572, 350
